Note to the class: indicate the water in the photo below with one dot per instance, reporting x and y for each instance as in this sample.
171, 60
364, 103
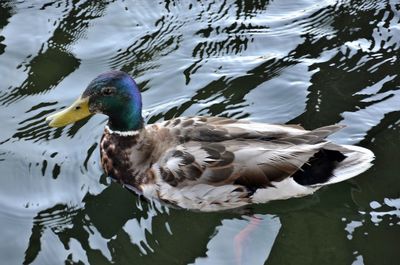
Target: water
286, 61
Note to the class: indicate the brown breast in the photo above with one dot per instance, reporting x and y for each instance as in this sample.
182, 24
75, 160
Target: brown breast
128, 159
115, 153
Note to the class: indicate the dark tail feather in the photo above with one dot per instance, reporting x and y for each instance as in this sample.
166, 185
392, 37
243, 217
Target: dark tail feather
319, 168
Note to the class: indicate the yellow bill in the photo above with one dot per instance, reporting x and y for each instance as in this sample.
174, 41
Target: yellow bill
77, 111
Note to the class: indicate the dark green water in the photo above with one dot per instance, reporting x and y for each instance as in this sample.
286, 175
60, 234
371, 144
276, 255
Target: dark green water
286, 61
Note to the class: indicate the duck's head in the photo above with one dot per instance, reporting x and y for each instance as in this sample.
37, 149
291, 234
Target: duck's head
114, 94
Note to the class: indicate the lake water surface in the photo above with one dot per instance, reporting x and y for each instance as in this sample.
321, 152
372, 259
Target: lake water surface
306, 62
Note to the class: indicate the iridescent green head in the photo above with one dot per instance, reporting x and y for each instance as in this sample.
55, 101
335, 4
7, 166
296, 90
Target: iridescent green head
114, 94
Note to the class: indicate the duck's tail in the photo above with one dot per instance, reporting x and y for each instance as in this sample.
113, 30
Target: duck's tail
357, 160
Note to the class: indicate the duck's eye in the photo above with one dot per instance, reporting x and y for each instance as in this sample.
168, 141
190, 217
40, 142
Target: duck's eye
107, 91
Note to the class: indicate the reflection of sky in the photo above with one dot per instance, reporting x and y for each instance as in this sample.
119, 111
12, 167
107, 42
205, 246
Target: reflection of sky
361, 121
138, 228
221, 249
385, 214
279, 105
14, 237
379, 212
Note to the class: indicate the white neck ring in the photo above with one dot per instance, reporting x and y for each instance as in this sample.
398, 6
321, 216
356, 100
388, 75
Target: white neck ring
122, 133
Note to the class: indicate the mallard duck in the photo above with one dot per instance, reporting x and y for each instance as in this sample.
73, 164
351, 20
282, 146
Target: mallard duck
209, 163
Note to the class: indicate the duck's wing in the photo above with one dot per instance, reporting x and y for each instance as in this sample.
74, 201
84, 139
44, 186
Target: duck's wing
216, 129
253, 163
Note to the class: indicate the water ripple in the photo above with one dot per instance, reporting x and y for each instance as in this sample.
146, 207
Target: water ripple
306, 62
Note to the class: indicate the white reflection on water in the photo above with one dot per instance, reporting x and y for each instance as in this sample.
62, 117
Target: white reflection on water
389, 209
96, 241
136, 229
363, 228
359, 260
225, 247
361, 121
292, 82
350, 227
378, 213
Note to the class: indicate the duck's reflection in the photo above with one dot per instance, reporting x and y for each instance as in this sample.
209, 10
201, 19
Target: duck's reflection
115, 227
242, 241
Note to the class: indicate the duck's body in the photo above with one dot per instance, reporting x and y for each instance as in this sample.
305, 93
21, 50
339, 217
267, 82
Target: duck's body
213, 163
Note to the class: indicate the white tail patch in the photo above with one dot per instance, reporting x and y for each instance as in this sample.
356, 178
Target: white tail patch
282, 190
358, 160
